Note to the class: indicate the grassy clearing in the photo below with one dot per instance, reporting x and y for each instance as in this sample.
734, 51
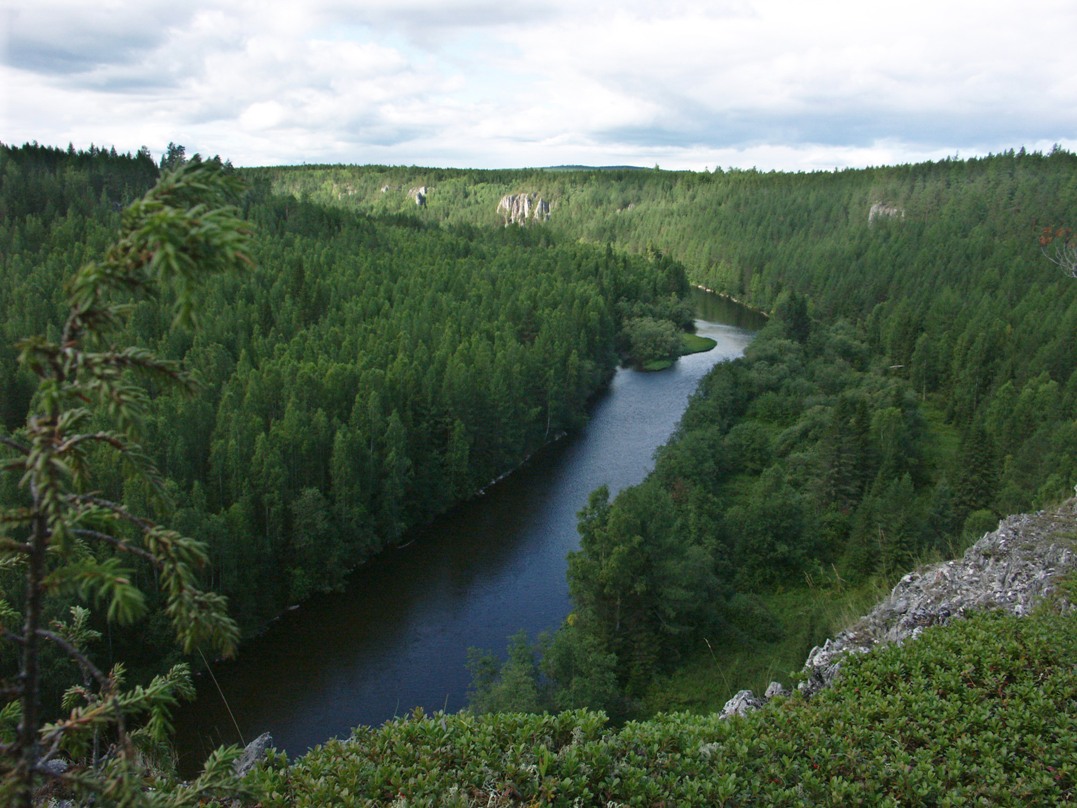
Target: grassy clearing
693, 343
657, 364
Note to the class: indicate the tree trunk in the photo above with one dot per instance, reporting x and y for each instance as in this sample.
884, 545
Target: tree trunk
30, 675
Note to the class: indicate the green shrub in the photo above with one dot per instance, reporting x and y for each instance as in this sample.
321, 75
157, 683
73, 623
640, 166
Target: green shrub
977, 713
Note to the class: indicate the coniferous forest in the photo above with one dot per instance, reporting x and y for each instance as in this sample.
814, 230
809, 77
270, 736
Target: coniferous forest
381, 360
916, 381
365, 375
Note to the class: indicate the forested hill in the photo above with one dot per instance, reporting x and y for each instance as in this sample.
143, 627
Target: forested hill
940, 263
938, 266
397, 347
367, 374
918, 380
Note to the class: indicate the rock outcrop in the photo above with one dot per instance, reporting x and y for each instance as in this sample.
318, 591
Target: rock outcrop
522, 208
418, 193
743, 703
882, 210
253, 753
1013, 568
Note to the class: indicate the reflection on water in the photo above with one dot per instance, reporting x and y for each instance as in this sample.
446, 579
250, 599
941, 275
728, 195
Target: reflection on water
398, 637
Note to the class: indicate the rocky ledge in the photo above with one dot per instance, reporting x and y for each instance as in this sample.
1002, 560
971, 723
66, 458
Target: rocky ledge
1013, 568
522, 208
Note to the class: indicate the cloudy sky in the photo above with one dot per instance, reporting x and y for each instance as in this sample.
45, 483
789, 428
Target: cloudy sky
774, 84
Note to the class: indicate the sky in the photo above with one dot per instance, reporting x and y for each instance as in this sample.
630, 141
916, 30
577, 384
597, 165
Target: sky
797, 85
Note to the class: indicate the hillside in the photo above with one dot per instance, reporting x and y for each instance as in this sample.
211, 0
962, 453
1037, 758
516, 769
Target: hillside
365, 375
980, 710
916, 381
398, 346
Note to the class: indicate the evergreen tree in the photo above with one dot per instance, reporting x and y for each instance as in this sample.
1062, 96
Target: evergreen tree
67, 539
977, 472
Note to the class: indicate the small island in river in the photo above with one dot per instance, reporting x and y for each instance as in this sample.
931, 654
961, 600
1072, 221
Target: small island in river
690, 344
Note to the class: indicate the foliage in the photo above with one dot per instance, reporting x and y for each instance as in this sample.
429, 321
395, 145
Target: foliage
508, 686
918, 378
976, 712
364, 377
822, 456
67, 542
955, 293
650, 340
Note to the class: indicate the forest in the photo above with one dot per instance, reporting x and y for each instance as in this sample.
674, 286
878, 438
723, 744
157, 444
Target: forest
916, 381
366, 375
382, 360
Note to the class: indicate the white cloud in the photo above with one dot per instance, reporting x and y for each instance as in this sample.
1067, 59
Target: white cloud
684, 84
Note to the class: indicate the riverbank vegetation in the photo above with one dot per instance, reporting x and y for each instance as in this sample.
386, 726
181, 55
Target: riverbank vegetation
979, 712
917, 379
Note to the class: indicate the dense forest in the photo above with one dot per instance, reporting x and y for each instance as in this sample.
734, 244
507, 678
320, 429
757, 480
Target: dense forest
364, 376
387, 357
917, 380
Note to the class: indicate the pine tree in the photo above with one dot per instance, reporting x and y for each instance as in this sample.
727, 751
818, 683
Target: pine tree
68, 540
977, 472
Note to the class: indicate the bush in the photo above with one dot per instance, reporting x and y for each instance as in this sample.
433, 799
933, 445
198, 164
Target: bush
980, 712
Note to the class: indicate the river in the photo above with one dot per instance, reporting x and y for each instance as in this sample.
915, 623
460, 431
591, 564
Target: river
397, 638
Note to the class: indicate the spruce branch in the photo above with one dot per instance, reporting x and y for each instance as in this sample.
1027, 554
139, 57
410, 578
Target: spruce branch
181, 231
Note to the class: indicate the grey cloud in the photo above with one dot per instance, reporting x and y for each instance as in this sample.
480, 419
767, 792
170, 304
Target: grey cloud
431, 23
54, 41
70, 56
436, 13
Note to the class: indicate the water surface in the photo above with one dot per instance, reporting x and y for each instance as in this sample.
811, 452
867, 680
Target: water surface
398, 637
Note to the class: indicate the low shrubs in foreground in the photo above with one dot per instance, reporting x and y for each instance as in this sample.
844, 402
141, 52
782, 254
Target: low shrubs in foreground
980, 712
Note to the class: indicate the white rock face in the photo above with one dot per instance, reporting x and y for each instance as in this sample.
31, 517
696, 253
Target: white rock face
522, 208
881, 210
741, 704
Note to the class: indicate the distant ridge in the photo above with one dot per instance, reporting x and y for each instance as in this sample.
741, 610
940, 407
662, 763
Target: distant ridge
594, 168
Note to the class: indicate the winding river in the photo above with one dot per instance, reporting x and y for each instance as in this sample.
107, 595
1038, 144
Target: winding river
398, 637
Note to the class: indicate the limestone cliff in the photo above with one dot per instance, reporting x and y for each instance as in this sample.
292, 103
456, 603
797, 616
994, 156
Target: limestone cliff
883, 210
522, 208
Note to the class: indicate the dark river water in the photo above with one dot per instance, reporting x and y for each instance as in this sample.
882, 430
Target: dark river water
398, 637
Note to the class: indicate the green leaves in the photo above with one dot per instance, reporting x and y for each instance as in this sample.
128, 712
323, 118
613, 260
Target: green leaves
91, 406
978, 712
179, 233
105, 581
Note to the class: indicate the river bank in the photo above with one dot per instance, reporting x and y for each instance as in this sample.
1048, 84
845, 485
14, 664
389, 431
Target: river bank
398, 636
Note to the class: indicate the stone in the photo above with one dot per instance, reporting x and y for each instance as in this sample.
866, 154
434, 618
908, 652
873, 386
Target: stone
1013, 568
775, 689
520, 208
54, 766
254, 752
882, 210
741, 704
